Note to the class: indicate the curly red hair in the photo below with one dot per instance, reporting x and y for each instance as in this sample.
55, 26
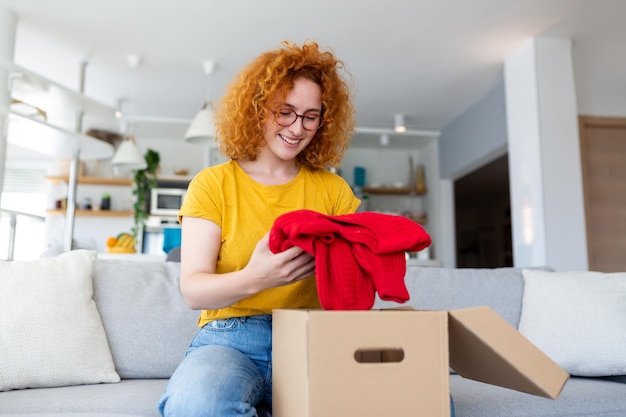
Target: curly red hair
246, 104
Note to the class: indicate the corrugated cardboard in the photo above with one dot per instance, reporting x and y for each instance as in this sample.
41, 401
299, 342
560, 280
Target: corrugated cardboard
484, 347
395, 362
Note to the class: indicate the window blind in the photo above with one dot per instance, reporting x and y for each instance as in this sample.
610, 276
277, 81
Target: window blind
24, 180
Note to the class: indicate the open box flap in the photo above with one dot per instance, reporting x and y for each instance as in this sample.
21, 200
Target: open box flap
484, 347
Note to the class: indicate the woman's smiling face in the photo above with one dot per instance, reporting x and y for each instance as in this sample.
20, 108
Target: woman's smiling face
287, 142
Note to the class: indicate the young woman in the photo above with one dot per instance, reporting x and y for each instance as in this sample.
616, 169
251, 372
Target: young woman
284, 120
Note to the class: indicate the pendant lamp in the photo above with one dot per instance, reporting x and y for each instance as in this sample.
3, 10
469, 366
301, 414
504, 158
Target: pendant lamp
129, 156
202, 128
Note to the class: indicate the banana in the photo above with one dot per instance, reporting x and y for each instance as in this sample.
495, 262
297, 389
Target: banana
124, 242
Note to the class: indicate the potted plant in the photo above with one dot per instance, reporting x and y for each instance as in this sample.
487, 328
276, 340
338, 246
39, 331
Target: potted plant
145, 179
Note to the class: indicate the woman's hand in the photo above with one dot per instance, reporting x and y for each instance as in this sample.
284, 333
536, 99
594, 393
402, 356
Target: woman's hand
276, 269
203, 288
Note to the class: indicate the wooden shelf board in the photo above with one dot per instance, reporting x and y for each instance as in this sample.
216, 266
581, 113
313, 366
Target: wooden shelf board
420, 220
94, 180
93, 213
392, 191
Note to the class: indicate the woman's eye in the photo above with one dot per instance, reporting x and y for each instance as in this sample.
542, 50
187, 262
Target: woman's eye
285, 113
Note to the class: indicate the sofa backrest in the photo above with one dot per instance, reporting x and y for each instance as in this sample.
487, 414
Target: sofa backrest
454, 288
149, 326
147, 322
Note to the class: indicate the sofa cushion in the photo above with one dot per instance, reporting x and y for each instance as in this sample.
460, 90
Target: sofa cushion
131, 397
50, 330
145, 317
580, 397
578, 319
451, 288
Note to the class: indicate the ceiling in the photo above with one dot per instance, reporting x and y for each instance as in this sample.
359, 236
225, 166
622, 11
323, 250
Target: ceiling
429, 59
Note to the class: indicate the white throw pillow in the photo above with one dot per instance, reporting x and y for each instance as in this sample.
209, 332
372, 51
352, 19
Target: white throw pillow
50, 330
578, 319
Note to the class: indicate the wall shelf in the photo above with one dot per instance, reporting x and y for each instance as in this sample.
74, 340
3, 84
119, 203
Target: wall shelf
51, 140
392, 191
123, 182
94, 180
27, 79
93, 213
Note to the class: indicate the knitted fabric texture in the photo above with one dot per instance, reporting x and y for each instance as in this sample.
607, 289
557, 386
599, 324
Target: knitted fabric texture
356, 255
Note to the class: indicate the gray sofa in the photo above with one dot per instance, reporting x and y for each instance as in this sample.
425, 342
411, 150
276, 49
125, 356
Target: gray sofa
148, 328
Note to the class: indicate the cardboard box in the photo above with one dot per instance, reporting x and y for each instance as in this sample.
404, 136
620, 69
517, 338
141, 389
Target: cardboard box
396, 362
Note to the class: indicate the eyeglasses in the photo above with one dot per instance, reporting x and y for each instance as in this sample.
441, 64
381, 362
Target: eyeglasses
286, 117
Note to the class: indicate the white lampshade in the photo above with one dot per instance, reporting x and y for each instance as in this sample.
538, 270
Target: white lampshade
202, 128
128, 156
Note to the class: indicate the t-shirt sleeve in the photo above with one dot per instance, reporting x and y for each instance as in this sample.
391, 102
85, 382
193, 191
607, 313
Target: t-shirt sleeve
346, 201
203, 198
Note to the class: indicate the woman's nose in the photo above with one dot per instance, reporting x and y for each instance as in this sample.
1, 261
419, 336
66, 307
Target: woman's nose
298, 126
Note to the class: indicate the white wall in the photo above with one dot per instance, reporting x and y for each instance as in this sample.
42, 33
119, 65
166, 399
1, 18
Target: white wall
386, 166
476, 137
8, 25
177, 154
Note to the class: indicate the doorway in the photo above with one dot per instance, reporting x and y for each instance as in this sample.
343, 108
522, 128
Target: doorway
482, 209
603, 157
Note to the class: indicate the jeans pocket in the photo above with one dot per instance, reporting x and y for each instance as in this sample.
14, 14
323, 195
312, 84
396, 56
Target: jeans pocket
214, 333
222, 325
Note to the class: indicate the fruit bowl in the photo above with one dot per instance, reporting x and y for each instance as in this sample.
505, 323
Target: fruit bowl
123, 243
121, 250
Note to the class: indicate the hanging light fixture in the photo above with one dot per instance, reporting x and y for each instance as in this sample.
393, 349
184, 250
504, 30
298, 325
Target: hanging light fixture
400, 126
202, 128
129, 156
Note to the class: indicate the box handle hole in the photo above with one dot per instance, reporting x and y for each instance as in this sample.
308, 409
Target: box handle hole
385, 355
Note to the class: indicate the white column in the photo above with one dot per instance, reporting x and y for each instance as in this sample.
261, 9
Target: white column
8, 27
547, 205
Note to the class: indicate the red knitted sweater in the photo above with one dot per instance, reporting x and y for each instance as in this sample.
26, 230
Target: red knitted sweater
356, 255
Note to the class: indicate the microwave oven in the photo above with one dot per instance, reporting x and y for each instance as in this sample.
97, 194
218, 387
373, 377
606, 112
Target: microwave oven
166, 201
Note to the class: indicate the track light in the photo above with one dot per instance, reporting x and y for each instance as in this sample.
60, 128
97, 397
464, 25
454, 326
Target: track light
118, 109
399, 126
384, 140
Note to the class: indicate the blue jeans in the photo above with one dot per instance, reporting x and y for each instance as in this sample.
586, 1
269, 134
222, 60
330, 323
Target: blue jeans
227, 370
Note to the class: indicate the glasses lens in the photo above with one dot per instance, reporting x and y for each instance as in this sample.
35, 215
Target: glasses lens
311, 121
287, 117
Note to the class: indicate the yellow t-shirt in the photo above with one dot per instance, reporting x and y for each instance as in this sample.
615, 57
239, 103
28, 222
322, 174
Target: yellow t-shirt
246, 210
